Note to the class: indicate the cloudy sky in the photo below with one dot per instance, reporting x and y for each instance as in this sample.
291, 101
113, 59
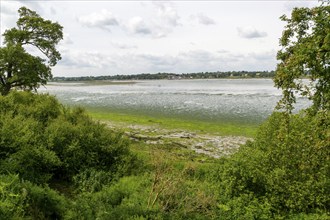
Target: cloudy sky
131, 37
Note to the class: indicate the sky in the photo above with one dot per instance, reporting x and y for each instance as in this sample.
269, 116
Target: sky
131, 37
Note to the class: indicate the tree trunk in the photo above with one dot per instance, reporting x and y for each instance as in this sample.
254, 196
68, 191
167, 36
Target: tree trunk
5, 89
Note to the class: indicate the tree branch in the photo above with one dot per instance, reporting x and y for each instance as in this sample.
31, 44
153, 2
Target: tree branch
2, 80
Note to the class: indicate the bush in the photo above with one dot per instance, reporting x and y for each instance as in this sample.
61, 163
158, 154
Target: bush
44, 203
91, 180
23, 151
285, 170
12, 198
22, 199
40, 107
43, 141
123, 200
81, 144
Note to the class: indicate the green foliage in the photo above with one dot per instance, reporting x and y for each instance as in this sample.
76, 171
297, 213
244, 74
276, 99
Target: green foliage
81, 144
22, 148
305, 53
43, 202
123, 200
12, 199
34, 30
174, 197
20, 69
40, 140
178, 191
285, 171
24, 200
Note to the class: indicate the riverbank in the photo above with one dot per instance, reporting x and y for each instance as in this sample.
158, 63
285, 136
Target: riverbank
174, 123
209, 139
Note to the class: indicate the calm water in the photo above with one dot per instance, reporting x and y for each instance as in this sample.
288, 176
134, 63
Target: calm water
227, 100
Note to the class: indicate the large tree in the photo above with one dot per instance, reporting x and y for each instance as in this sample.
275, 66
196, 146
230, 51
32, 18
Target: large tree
305, 54
20, 69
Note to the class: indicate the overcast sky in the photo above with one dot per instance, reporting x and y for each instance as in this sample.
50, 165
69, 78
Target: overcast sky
131, 37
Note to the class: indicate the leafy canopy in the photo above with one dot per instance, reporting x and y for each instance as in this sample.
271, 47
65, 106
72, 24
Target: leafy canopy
20, 69
305, 53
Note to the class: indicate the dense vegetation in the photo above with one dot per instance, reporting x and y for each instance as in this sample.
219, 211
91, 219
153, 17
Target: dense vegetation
156, 76
44, 144
57, 163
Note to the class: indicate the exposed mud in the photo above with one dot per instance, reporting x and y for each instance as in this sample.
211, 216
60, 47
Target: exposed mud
211, 145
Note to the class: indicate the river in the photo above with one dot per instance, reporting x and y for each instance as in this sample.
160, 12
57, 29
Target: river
213, 100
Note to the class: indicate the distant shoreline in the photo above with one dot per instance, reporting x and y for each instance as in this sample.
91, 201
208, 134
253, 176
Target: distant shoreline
171, 76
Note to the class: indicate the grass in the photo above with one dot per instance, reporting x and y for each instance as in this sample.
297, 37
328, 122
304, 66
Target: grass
223, 129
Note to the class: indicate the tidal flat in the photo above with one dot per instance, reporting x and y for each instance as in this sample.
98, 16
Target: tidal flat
223, 101
211, 116
206, 138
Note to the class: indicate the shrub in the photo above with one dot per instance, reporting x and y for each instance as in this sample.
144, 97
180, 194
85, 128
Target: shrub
285, 170
40, 107
44, 203
22, 149
42, 141
24, 200
12, 198
81, 144
123, 200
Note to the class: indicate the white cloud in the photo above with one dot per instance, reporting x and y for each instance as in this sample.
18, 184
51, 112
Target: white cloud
103, 20
250, 32
222, 51
264, 55
66, 39
155, 25
53, 11
197, 55
205, 20
153, 36
33, 5
167, 13
123, 46
96, 63
84, 59
137, 25
289, 5
8, 17
8, 9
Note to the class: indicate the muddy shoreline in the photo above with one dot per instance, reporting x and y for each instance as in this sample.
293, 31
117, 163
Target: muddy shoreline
208, 144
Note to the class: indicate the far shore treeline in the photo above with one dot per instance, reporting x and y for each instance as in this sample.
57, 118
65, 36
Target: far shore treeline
155, 76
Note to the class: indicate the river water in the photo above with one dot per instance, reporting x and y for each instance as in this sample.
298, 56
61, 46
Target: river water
215, 100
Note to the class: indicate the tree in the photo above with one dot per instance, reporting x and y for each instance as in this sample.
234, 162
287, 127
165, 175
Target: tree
305, 53
20, 69
284, 173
